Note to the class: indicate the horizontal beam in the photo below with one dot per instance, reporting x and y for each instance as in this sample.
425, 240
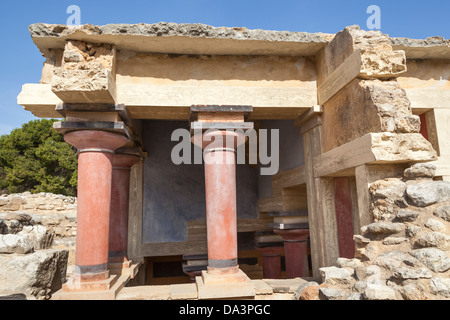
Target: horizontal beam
374, 148
170, 102
288, 178
39, 100
346, 72
364, 65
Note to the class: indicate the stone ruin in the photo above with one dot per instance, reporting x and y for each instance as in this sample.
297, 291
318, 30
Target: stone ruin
364, 156
404, 254
37, 232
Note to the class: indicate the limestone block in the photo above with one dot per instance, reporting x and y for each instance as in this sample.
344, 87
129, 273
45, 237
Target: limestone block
385, 228
443, 213
379, 292
36, 275
435, 225
87, 73
332, 294
428, 193
382, 64
435, 239
29, 239
436, 260
402, 147
411, 273
407, 215
366, 106
440, 286
334, 275
378, 55
420, 170
15, 243
83, 86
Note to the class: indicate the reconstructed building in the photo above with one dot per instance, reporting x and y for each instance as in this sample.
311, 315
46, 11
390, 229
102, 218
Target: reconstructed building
349, 108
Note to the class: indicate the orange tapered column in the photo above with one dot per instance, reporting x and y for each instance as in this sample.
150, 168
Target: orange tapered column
221, 212
96, 149
219, 131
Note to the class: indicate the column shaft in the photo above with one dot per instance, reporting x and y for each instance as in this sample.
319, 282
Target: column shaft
220, 180
96, 150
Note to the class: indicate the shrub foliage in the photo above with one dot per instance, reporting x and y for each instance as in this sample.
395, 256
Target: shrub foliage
36, 158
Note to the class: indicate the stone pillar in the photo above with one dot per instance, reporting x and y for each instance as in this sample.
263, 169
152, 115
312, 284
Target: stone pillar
295, 252
221, 211
120, 195
96, 149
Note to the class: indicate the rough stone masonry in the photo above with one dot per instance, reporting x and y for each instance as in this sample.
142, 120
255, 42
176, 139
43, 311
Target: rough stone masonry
404, 254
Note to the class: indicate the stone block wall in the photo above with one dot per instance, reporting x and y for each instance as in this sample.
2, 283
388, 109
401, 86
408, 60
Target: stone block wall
57, 213
404, 254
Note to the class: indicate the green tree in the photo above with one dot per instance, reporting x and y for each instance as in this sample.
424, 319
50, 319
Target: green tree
36, 158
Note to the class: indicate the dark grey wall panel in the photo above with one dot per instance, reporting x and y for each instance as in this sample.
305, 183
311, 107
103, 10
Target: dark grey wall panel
291, 151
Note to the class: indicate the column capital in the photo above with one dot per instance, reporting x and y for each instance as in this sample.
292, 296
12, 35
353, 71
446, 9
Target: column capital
219, 139
293, 235
92, 140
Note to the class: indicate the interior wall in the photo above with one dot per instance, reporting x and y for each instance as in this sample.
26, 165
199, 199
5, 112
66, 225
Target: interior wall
291, 151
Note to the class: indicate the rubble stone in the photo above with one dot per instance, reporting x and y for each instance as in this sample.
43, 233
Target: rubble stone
428, 193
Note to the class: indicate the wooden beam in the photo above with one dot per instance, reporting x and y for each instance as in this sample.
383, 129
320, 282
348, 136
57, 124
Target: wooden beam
274, 204
339, 78
288, 178
313, 111
174, 248
349, 155
374, 148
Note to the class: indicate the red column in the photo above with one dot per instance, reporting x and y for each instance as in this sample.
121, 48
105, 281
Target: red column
221, 212
271, 260
295, 252
120, 198
96, 149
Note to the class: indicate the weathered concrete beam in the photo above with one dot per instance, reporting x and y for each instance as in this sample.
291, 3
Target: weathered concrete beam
430, 48
182, 39
172, 103
39, 100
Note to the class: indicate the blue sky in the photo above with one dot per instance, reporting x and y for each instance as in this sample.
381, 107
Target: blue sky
22, 61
